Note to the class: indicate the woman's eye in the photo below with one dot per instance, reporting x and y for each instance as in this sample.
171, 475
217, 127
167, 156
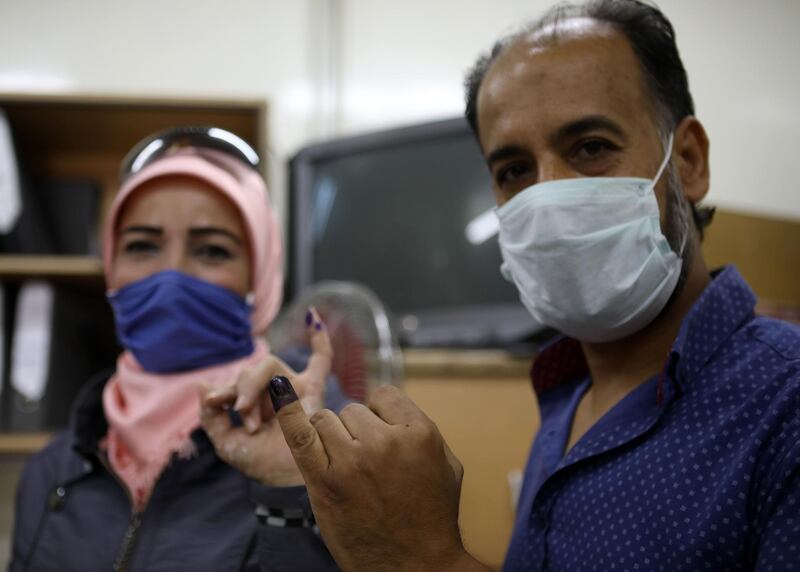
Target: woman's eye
213, 252
140, 247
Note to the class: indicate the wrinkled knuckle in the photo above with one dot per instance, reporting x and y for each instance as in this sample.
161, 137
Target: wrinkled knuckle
379, 442
329, 495
384, 392
350, 409
360, 465
323, 420
303, 439
428, 435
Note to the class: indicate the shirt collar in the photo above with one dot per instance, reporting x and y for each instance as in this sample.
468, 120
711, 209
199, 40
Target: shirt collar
725, 305
720, 310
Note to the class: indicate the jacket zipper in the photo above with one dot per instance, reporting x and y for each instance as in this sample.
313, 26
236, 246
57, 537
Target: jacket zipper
129, 543
125, 553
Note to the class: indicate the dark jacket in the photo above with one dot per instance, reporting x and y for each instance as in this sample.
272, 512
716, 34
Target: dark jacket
73, 514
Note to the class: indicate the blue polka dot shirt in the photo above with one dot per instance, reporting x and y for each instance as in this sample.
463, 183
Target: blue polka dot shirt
696, 469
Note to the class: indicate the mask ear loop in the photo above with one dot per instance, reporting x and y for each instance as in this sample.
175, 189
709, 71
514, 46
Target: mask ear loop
661, 169
683, 242
665, 161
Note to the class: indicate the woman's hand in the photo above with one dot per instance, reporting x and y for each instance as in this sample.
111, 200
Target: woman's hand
256, 446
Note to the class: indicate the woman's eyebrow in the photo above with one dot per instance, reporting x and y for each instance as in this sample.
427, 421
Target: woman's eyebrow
212, 230
142, 228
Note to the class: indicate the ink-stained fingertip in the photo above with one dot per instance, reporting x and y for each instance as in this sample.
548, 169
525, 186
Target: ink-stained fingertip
281, 392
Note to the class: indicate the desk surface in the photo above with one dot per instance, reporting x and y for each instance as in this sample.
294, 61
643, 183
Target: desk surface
460, 364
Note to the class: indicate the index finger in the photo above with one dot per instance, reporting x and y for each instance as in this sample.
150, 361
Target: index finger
301, 436
319, 364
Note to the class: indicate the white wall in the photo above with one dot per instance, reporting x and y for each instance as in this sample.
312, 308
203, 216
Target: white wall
404, 61
342, 66
195, 48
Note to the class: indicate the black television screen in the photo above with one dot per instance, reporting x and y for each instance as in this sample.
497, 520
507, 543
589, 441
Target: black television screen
408, 213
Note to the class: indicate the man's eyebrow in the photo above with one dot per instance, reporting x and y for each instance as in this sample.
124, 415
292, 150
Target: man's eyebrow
565, 132
212, 230
505, 152
586, 124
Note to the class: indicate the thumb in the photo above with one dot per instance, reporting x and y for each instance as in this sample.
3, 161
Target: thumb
203, 389
214, 420
301, 436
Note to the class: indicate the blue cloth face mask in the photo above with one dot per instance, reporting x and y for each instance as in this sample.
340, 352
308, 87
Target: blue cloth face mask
588, 256
173, 322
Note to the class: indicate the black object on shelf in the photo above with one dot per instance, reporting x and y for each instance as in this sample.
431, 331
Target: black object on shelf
82, 343
58, 217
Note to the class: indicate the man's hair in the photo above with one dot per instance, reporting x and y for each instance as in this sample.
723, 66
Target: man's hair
652, 38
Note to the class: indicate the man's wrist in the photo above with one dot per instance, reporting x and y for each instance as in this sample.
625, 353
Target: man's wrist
465, 562
459, 561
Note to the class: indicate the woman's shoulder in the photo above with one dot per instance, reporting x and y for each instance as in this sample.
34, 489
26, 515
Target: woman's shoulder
50, 465
61, 458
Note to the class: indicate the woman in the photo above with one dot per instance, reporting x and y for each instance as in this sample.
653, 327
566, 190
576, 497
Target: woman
192, 257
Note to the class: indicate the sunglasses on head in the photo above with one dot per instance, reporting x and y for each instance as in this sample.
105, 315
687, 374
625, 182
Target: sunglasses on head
164, 142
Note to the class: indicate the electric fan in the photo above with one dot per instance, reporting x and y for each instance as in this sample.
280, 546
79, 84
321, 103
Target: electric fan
366, 351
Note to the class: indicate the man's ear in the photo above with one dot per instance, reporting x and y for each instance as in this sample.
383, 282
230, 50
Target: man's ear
690, 152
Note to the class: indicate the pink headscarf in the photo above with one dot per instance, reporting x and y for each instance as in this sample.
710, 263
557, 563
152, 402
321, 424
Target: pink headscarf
245, 188
151, 416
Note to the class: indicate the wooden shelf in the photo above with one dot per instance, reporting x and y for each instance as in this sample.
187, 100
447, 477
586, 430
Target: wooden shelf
23, 443
36, 266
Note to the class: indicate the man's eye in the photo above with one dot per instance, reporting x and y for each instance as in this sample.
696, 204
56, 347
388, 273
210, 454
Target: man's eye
511, 173
594, 149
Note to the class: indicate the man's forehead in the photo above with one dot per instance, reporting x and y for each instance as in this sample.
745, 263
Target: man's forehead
589, 60
541, 86
569, 40
565, 29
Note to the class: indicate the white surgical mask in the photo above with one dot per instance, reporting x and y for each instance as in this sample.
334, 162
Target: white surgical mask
588, 256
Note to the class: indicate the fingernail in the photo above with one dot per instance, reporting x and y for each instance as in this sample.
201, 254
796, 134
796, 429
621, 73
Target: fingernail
309, 317
281, 392
235, 417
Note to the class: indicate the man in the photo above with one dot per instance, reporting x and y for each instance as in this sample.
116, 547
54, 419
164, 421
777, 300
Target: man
670, 434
